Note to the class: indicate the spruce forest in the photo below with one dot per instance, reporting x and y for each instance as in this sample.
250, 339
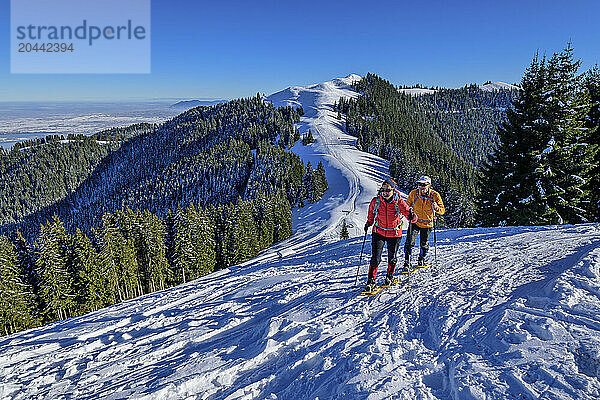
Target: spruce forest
92, 221
446, 135
498, 158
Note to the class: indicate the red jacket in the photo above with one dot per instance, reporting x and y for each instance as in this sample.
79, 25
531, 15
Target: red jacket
389, 215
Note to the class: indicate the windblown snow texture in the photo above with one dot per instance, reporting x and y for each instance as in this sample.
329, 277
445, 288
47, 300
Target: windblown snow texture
513, 313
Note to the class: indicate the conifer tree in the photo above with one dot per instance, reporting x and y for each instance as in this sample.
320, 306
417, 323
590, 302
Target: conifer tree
170, 230
566, 161
308, 138
282, 218
15, 295
90, 283
344, 233
321, 184
247, 230
539, 174
508, 191
195, 245
56, 281
28, 272
119, 264
265, 220
184, 255
308, 184
229, 245
204, 244
592, 83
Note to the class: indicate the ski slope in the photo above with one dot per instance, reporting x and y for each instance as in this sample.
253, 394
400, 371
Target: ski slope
512, 313
353, 176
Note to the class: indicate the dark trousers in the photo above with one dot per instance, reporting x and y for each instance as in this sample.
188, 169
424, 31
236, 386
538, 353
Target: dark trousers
411, 239
377, 248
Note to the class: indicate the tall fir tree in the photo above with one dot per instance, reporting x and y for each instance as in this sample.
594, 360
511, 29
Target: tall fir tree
344, 232
321, 185
53, 265
119, 264
592, 83
566, 161
15, 295
90, 282
508, 190
27, 269
308, 184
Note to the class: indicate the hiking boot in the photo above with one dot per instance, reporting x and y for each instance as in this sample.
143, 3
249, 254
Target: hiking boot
421, 261
370, 286
406, 267
388, 281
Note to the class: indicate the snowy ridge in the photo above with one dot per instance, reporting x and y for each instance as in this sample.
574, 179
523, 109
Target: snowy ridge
353, 176
495, 86
416, 91
513, 312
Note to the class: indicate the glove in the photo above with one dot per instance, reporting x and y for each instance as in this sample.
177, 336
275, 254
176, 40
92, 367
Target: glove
367, 225
411, 215
434, 205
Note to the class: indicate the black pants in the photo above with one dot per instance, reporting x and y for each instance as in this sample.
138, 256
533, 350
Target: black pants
377, 244
411, 239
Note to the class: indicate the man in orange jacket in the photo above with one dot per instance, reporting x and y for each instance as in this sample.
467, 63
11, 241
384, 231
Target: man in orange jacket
385, 214
425, 203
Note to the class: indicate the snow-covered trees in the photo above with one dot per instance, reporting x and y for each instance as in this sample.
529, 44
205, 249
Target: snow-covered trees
308, 138
541, 171
157, 206
128, 256
16, 305
592, 83
344, 234
444, 135
508, 186
55, 269
194, 243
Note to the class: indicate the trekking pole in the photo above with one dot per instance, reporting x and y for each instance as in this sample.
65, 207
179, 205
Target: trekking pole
434, 244
360, 259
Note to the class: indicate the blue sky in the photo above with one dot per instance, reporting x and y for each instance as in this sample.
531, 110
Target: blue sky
229, 49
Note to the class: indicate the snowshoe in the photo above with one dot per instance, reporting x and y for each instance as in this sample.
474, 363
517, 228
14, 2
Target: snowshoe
388, 282
370, 288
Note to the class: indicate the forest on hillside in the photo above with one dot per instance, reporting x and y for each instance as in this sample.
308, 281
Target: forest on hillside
446, 135
150, 206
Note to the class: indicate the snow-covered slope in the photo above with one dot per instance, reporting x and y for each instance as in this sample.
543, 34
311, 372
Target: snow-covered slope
490, 87
353, 176
512, 313
416, 91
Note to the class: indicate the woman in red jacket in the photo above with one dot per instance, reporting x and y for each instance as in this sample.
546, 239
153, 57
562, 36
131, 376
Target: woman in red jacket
385, 214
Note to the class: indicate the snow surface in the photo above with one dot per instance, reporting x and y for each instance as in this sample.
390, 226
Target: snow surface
512, 313
416, 91
494, 86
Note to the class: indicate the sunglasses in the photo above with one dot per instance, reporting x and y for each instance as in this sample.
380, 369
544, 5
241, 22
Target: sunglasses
422, 184
386, 190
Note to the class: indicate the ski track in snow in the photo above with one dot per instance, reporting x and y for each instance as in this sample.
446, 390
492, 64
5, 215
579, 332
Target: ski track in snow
511, 313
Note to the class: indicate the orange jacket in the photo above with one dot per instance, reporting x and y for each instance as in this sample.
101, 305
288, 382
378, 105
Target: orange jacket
421, 204
388, 215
